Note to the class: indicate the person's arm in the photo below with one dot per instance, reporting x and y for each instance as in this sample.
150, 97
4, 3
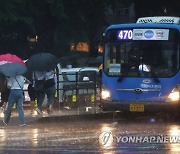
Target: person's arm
9, 83
28, 81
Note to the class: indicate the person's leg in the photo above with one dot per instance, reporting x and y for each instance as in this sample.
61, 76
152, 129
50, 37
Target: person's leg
40, 99
32, 106
32, 102
50, 97
20, 107
32, 95
2, 104
4, 99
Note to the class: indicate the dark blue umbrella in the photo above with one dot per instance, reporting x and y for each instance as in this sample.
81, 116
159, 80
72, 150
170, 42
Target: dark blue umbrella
12, 69
41, 62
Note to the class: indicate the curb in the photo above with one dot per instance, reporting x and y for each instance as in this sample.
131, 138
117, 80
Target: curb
74, 118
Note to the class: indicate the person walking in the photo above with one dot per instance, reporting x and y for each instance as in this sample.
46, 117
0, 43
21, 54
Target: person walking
4, 99
33, 96
38, 84
16, 85
50, 89
5, 91
47, 78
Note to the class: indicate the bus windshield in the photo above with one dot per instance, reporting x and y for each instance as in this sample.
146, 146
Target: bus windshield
137, 58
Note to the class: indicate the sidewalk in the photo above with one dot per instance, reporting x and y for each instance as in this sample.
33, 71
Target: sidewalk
58, 115
66, 111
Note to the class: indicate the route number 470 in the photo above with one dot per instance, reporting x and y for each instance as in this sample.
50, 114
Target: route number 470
125, 34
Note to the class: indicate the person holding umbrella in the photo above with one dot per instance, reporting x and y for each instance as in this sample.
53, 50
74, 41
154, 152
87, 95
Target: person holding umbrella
4, 96
48, 88
38, 87
13, 67
43, 66
32, 94
30, 89
16, 96
5, 91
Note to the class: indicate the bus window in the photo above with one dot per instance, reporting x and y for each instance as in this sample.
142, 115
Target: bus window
161, 56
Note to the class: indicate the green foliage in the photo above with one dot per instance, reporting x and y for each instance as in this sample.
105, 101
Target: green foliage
57, 23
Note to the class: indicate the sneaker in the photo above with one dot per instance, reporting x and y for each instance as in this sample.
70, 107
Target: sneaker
22, 125
38, 111
4, 122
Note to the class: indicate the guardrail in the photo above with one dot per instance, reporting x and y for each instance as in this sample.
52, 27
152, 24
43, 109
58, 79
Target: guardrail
80, 92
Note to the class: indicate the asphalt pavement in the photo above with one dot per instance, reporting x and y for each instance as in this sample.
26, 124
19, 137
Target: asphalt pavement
89, 130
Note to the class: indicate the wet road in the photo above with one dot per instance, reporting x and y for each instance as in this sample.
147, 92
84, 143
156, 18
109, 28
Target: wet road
100, 133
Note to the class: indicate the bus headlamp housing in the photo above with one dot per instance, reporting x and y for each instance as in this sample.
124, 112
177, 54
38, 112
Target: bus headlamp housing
105, 94
174, 95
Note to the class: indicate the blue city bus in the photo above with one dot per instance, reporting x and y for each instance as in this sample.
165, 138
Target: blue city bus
141, 66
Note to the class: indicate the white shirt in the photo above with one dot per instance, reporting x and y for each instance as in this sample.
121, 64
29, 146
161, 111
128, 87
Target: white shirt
39, 75
49, 75
44, 75
16, 82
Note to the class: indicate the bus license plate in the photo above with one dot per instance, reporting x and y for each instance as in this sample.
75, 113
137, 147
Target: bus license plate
136, 107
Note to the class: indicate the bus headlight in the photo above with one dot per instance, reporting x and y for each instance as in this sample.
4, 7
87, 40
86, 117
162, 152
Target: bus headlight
174, 95
105, 94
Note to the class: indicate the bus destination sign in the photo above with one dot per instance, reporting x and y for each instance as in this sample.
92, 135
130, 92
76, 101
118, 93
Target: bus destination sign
143, 34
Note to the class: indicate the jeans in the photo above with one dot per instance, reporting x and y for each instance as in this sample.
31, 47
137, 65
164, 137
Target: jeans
16, 96
50, 92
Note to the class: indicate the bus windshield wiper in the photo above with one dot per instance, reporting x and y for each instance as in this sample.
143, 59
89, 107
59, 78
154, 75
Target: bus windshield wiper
155, 77
149, 69
120, 78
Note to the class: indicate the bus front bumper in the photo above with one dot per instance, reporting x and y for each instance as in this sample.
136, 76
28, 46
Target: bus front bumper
140, 106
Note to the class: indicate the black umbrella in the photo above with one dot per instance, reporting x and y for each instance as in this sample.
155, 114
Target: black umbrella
41, 62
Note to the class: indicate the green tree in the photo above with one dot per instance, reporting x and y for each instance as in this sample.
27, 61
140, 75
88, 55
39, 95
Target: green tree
22, 18
14, 26
85, 20
47, 15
